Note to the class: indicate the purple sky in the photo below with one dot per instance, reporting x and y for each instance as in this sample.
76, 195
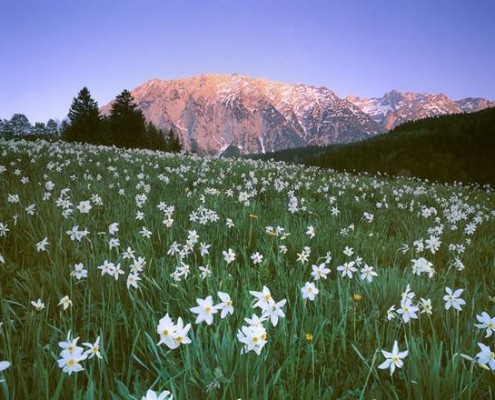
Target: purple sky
50, 49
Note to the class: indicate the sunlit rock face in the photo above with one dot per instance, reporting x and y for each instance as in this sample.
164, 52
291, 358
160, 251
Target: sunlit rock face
212, 113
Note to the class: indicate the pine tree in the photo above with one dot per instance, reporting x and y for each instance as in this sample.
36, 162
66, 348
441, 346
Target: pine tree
174, 145
127, 123
20, 125
52, 127
85, 119
4, 126
39, 128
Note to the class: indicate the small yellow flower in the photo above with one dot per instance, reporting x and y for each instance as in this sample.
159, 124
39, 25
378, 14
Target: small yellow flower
309, 337
357, 296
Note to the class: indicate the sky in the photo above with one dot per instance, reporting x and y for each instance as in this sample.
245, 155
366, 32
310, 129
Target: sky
50, 49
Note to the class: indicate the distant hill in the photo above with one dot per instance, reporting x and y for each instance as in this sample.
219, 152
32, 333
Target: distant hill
448, 148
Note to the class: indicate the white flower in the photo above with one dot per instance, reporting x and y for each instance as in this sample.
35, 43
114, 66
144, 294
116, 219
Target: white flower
257, 258
319, 271
309, 291
487, 323
264, 297
407, 310
453, 299
226, 306
310, 231
145, 233
229, 256
152, 395
347, 269
368, 273
84, 207
113, 243
93, 349
426, 306
486, 356
173, 335
433, 244
79, 272
128, 254
132, 280
393, 359
205, 271
274, 311
41, 246
348, 251
4, 365
204, 310
65, 302
70, 361
38, 305
113, 228
253, 338
421, 265
203, 249
368, 217
391, 313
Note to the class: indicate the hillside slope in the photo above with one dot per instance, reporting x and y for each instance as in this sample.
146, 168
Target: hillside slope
450, 148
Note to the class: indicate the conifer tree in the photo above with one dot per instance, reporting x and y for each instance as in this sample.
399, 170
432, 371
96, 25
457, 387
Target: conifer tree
127, 124
20, 125
174, 145
52, 127
85, 119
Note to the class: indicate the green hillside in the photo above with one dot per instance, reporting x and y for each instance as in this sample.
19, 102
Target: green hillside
450, 148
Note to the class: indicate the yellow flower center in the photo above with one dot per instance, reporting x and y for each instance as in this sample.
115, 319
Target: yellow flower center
71, 362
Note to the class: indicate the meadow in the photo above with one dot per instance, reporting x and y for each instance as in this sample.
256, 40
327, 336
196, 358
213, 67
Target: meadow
130, 274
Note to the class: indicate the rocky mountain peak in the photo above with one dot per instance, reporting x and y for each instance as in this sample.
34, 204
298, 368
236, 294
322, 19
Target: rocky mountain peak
214, 112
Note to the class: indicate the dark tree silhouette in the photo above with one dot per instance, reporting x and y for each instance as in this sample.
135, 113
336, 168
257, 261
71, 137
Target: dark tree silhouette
85, 119
127, 125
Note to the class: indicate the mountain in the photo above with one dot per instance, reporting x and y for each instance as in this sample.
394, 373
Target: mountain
213, 113
448, 148
395, 107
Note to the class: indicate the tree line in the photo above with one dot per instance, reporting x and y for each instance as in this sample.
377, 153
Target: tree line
459, 147
125, 126
448, 148
19, 124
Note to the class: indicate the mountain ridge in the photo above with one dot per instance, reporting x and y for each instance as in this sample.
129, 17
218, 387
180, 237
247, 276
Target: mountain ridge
396, 107
212, 112
215, 112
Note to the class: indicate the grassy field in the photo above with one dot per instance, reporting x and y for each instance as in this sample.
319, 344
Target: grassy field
133, 236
